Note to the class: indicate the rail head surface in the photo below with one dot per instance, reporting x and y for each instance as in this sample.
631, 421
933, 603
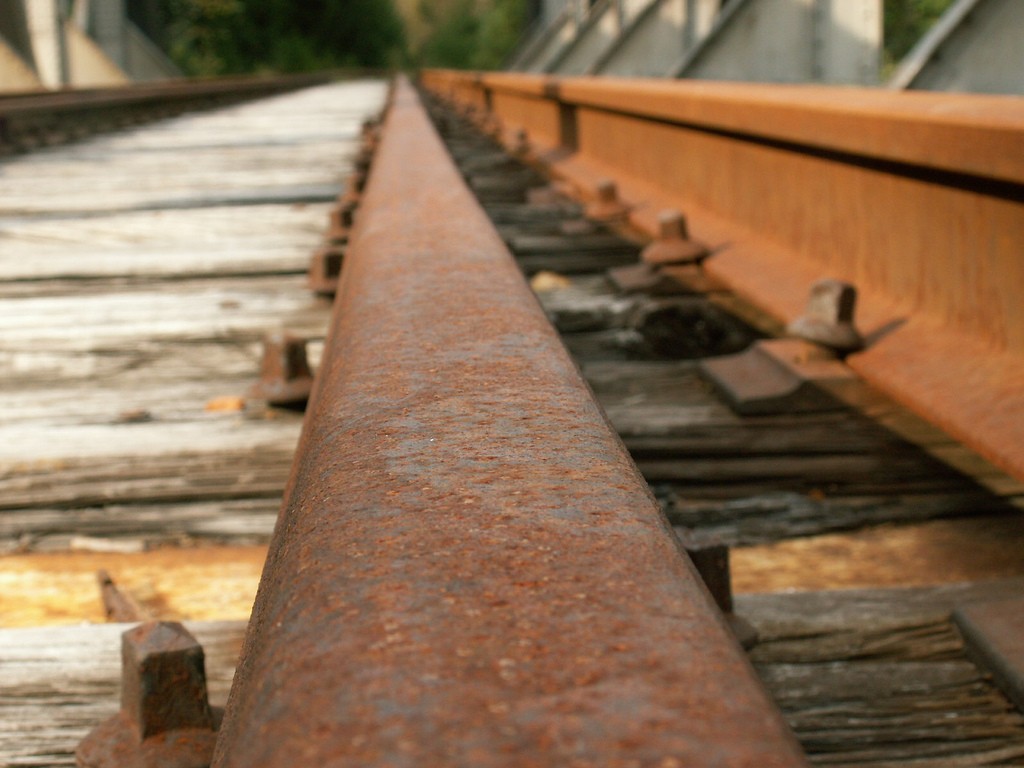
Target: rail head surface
468, 569
966, 134
916, 199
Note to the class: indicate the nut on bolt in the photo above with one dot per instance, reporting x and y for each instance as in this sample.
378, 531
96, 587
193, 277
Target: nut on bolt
520, 143
828, 318
165, 718
607, 206
325, 269
673, 244
285, 378
341, 218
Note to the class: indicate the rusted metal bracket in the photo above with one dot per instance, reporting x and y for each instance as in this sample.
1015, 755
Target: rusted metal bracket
917, 199
468, 569
777, 376
994, 635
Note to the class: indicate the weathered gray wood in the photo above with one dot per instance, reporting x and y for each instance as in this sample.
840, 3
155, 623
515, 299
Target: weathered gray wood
138, 273
785, 616
775, 515
755, 479
880, 677
150, 244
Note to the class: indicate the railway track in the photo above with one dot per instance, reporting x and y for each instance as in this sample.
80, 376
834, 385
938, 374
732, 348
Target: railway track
32, 120
469, 568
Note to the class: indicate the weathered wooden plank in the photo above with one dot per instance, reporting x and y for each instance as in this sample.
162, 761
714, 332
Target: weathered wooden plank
138, 273
257, 239
139, 526
880, 678
777, 515
228, 158
211, 470
195, 310
783, 616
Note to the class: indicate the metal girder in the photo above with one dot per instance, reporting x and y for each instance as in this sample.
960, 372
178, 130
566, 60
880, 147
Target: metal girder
833, 41
790, 41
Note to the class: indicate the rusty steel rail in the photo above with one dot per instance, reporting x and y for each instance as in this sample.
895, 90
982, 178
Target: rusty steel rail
917, 199
49, 117
468, 569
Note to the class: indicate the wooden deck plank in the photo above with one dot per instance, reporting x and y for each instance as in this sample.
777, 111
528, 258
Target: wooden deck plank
138, 273
153, 244
880, 677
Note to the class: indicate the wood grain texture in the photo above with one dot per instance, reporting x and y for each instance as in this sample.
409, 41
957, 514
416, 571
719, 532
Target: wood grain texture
138, 274
880, 677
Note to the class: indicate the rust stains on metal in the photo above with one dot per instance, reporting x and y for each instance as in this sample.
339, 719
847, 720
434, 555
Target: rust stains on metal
468, 568
117, 605
165, 720
828, 319
606, 205
673, 245
917, 199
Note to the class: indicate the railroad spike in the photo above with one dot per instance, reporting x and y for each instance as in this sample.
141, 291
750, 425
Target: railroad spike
520, 143
673, 244
828, 318
607, 206
341, 218
165, 718
285, 377
325, 269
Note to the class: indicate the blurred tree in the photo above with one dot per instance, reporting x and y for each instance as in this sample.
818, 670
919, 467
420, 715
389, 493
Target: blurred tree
469, 34
452, 38
215, 37
500, 30
905, 22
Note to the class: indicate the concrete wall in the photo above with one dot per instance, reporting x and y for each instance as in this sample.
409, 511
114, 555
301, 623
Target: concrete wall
106, 25
41, 43
88, 64
658, 37
46, 32
977, 46
791, 41
143, 60
830, 41
15, 74
595, 36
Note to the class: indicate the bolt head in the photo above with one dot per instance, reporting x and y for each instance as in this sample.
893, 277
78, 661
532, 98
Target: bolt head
828, 318
163, 685
284, 358
607, 191
672, 226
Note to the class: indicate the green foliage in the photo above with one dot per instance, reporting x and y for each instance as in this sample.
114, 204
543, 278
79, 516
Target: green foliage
905, 22
500, 30
217, 37
470, 35
453, 38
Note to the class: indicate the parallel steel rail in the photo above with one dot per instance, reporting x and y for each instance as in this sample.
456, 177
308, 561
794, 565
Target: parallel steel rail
468, 568
29, 120
917, 199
